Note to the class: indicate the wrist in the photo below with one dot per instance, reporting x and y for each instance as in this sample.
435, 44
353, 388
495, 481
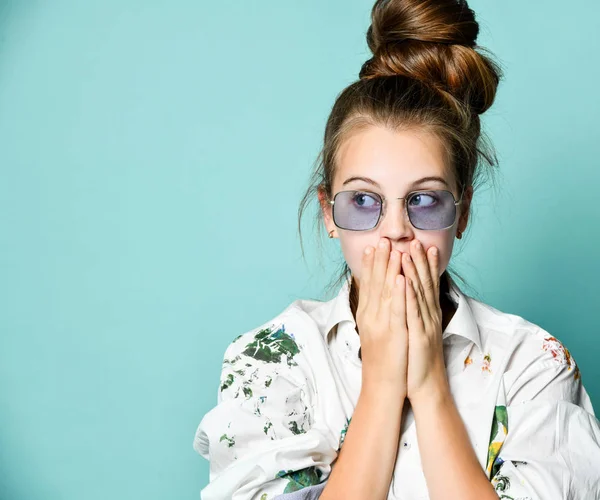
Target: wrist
432, 396
383, 388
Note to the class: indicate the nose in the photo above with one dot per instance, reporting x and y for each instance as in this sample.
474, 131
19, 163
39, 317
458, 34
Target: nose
394, 223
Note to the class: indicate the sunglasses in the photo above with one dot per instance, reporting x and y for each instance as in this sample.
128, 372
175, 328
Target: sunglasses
362, 210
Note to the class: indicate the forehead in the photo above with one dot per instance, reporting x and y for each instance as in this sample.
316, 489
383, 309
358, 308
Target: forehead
391, 157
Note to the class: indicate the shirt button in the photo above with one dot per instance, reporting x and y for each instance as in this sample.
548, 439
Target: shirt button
406, 445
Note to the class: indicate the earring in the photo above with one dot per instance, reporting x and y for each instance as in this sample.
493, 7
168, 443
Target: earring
331, 233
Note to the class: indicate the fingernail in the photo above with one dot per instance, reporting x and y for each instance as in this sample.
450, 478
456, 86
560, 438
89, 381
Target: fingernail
382, 244
368, 251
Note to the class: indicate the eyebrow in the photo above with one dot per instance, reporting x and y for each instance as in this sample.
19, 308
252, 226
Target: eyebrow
375, 183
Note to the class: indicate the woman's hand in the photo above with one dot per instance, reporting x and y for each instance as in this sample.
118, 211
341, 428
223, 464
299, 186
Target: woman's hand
426, 367
381, 319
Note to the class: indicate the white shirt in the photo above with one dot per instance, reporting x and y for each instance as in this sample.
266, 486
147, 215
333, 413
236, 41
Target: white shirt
288, 389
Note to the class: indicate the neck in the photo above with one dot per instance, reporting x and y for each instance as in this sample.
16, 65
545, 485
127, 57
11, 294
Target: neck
447, 306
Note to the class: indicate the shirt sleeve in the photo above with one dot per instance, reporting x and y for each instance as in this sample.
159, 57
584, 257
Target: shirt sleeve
308, 493
261, 438
545, 438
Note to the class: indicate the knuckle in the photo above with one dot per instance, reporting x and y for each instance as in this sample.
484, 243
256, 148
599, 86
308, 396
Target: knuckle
386, 293
378, 282
422, 342
397, 312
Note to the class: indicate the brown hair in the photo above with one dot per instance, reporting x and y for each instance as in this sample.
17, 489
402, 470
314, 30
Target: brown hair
426, 73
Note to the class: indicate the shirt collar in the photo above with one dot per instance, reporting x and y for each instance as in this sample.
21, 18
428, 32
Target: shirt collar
463, 323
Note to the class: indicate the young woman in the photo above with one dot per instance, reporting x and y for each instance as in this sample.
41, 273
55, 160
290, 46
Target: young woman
402, 386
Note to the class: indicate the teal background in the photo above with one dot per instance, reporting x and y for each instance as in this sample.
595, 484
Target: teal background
153, 156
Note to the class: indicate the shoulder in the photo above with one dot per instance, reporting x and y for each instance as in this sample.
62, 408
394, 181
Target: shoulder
504, 324
273, 350
281, 337
536, 359
529, 340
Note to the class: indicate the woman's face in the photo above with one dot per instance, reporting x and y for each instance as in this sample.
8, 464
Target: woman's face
395, 162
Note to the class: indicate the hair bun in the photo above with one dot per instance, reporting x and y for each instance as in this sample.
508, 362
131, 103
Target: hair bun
433, 41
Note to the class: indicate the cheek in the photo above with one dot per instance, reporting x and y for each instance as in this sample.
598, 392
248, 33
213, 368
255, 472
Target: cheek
352, 246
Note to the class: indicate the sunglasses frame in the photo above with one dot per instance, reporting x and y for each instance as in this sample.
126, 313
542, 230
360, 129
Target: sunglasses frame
405, 198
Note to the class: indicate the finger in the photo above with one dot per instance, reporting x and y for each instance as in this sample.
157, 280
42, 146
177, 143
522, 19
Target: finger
365, 275
414, 318
379, 269
410, 271
425, 286
398, 309
393, 270
433, 257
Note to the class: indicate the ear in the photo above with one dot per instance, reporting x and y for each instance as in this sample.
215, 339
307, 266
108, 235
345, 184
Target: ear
465, 209
326, 210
